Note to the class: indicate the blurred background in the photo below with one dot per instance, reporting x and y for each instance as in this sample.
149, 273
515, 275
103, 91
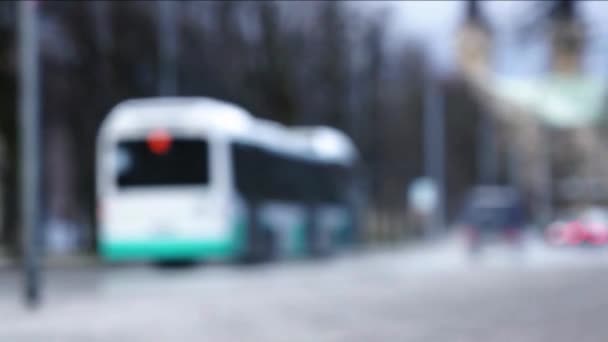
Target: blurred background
475, 122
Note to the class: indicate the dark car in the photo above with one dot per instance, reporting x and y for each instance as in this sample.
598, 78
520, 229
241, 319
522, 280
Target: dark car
492, 213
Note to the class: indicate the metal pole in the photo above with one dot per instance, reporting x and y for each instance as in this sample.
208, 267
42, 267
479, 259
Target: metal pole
167, 47
513, 167
103, 24
434, 139
547, 165
30, 155
487, 150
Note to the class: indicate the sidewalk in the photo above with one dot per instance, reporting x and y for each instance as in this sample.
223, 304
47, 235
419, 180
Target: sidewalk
57, 261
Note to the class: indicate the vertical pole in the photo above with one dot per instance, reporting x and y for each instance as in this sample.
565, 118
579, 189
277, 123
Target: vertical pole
547, 169
103, 25
167, 45
434, 139
513, 166
29, 127
487, 151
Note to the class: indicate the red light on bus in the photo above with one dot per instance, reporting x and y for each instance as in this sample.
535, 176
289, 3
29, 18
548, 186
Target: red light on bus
159, 141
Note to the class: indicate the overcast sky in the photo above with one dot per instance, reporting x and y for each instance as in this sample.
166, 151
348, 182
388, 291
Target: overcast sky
434, 23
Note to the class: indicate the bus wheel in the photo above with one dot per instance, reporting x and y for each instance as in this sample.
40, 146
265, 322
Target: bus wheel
176, 264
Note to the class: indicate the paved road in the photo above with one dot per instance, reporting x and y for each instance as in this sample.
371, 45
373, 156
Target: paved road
419, 293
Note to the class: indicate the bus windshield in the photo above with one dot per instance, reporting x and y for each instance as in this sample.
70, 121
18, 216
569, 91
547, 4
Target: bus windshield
180, 162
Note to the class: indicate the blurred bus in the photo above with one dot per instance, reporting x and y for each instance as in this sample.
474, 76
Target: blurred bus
189, 179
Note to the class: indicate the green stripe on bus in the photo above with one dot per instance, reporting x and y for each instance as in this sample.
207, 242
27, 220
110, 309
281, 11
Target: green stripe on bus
166, 249
162, 249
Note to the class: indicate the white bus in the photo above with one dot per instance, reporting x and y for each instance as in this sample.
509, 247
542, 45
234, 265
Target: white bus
198, 179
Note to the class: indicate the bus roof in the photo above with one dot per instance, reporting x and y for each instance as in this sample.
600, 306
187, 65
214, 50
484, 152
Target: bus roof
230, 120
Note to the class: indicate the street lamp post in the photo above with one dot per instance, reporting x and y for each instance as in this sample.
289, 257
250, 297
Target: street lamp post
167, 47
475, 40
29, 128
434, 140
487, 151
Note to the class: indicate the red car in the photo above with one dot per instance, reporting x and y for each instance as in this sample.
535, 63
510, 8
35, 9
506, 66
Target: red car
591, 228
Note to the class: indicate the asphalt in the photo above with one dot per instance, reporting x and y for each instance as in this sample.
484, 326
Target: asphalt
431, 292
